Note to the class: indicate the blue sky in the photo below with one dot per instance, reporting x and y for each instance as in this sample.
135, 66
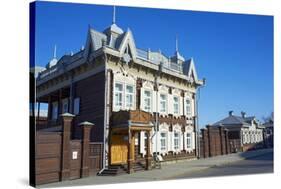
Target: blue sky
233, 52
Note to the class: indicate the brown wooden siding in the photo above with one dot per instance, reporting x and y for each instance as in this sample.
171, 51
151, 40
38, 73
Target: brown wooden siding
91, 93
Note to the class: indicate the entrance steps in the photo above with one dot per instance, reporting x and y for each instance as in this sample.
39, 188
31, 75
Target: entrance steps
114, 170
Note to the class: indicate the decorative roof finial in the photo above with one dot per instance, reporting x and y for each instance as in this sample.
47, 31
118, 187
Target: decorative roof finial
55, 52
113, 16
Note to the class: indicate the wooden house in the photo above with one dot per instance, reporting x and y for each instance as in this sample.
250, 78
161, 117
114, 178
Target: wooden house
244, 133
142, 102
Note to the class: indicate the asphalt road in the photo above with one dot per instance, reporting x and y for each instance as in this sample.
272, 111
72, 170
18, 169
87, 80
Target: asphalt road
255, 165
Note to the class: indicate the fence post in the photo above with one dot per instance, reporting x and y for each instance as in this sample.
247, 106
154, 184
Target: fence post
203, 148
210, 141
65, 156
221, 134
86, 131
227, 142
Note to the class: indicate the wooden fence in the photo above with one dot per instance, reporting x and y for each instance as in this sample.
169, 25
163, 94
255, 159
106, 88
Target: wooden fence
58, 158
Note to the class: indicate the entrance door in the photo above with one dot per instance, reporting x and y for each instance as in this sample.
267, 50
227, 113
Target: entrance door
119, 149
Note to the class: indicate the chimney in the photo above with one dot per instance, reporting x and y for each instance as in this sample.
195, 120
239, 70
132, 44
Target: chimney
230, 113
243, 114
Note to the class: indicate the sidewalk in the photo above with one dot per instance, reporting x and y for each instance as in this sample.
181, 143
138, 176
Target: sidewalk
166, 172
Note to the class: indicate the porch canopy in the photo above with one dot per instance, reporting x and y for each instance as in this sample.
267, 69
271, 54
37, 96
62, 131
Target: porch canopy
127, 124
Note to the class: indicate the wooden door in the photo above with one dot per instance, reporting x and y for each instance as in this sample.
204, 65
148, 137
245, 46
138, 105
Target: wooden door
119, 149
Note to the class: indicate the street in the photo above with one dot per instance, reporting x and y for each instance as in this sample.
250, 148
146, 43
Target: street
252, 162
254, 165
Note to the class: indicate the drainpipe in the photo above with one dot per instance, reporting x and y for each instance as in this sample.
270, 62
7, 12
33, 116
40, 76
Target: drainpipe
105, 138
197, 136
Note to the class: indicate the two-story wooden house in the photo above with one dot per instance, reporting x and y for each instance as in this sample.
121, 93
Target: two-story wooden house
141, 102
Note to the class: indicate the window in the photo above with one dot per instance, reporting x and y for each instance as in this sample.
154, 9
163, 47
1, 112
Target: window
64, 105
147, 101
163, 141
176, 105
118, 94
188, 140
176, 140
187, 107
76, 106
55, 110
129, 96
124, 96
163, 103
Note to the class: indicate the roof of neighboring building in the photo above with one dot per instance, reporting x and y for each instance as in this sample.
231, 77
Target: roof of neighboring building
231, 120
235, 120
268, 124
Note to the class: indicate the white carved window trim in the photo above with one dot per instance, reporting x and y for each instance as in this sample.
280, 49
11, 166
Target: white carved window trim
117, 103
123, 93
132, 94
177, 140
176, 112
163, 101
188, 106
147, 98
189, 140
163, 140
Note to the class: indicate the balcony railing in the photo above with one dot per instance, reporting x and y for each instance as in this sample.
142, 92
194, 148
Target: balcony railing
159, 58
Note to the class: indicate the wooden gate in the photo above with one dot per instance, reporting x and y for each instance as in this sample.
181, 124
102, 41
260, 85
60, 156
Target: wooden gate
95, 157
47, 157
119, 149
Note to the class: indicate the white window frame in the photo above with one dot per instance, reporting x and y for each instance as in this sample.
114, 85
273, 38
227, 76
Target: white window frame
165, 101
55, 110
76, 106
132, 94
176, 103
116, 100
146, 108
164, 147
122, 104
188, 140
177, 140
187, 106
